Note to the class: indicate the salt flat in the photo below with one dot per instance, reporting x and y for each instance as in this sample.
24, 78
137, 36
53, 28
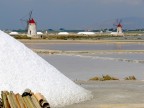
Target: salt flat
107, 94
113, 94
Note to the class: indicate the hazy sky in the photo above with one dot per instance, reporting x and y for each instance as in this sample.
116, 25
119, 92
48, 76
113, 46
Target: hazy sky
69, 14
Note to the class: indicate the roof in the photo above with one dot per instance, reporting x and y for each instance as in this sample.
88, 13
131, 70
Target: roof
119, 25
32, 21
86, 33
13, 33
39, 33
63, 33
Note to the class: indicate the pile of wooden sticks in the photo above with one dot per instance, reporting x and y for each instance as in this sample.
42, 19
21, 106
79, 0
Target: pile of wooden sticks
26, 100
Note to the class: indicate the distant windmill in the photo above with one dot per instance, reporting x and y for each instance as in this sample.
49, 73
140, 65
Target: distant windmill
31, 26
119, 27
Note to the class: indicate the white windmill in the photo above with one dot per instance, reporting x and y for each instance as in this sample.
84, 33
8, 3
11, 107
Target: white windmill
119, 28
31, 26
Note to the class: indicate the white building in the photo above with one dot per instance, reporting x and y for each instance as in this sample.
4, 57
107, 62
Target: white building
39, 33
13, 33
32, 31
63, 33
86, 33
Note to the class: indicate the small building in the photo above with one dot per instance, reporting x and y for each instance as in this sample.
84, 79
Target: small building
86, 33
63, 33
13, 33
39, 33
116, 34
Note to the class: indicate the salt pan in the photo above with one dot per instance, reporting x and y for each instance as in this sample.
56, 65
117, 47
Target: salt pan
21, 68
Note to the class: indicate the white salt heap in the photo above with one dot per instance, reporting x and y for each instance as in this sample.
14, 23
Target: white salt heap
21, 68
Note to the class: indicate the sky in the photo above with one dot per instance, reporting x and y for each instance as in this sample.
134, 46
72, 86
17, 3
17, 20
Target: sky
68, 14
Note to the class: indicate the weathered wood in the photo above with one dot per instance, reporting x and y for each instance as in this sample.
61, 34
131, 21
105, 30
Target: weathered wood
30, 101
1, 104
38, 96
26, 102
2, 98
10, 101
13, 99
35, 101
22, 101
5, 100
18, 101
42, 100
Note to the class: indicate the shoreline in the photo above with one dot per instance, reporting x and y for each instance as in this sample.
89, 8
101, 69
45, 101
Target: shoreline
44, 51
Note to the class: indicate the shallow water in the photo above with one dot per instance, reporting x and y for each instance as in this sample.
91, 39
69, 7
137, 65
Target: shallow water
96, 46
86, 66
81, 67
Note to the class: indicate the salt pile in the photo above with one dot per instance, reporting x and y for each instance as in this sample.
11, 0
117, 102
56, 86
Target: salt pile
21, 68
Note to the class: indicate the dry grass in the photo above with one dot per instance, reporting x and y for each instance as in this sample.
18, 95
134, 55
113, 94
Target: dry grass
108, 77
103, 78
130, 78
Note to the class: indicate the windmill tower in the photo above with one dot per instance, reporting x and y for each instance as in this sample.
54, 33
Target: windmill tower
31, 27
119, 27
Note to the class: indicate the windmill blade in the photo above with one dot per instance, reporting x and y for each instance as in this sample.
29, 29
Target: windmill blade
114, 24
30, 14
120, 21
23, 20
117, 21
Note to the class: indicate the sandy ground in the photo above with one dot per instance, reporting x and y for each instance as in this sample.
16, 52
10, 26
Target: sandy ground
113, 94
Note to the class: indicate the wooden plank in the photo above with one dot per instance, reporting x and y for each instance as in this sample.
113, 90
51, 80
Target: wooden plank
2, 98
10, 101
20, 105
35, 101
48, 106
30, 102
26, 102
42, 100
1, 104
38, 96
5, 100
12, 98
22, 101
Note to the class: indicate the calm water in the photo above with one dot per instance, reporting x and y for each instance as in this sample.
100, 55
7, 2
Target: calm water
83, 67
87, 46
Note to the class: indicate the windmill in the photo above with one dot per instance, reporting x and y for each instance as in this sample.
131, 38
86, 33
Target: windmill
118, 26
30, 25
